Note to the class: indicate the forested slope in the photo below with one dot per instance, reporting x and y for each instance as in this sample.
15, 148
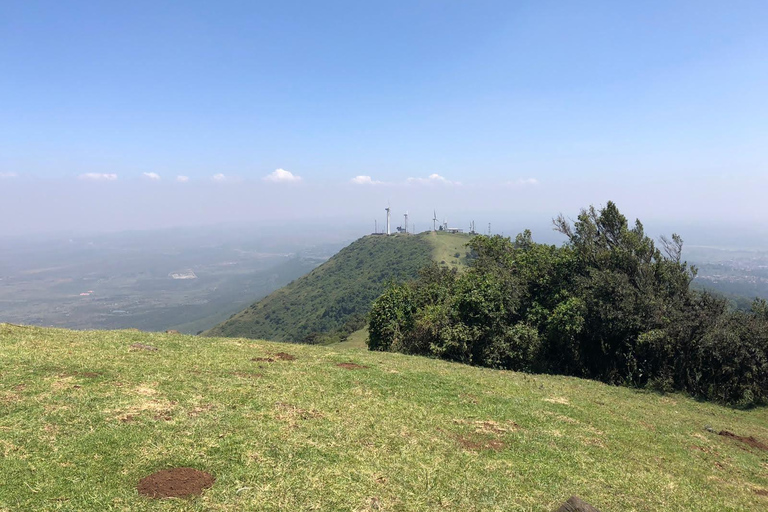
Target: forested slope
334, 299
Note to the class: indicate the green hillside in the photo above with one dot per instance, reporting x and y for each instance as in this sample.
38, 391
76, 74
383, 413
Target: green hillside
332, 301
87, 414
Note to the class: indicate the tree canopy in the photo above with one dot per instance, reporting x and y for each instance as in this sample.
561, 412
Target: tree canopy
608, 304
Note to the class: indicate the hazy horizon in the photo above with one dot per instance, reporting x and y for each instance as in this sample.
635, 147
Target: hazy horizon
150, 115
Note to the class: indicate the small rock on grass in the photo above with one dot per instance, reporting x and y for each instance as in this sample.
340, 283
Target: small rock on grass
576, 504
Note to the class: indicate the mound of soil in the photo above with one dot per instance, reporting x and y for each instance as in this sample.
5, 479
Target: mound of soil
280, 356
351, 366
576, 504
750, 441
175, 483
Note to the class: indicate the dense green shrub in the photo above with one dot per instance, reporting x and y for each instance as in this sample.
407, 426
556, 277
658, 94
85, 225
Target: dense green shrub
608, 305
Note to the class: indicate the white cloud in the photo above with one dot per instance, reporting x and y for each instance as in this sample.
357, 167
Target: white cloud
8, 174
98, 176
219, 177
282, 176
522, 182
365, 180
433, 179
182, 179
152, 175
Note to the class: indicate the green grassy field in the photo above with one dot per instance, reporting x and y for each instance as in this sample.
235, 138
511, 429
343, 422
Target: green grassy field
83, 417
445, 246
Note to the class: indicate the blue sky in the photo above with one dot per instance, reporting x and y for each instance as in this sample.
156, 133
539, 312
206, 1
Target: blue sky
555, 104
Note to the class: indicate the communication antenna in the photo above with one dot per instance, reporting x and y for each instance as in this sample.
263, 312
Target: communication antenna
387, 209
375, 226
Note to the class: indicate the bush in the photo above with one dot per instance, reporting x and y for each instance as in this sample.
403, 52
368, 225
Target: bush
391, 316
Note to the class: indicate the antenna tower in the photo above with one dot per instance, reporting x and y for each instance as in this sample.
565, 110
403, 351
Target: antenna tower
406, 222
434, 220
387, 209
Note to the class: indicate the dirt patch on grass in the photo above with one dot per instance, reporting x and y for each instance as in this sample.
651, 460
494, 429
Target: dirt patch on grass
490, 426
175, 483
351, 366
749, 441
280, 356
480, 443
761, 492
200, 409
158, 408
7, 398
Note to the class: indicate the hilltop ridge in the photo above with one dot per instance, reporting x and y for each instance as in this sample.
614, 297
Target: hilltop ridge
333, 300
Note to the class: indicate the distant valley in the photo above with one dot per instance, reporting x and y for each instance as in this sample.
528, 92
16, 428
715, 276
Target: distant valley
188, 280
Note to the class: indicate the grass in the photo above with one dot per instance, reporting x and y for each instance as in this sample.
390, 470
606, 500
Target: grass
83, 417
357, 340
445, 246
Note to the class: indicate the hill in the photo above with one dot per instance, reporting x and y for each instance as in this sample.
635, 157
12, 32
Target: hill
333, 300
86, 415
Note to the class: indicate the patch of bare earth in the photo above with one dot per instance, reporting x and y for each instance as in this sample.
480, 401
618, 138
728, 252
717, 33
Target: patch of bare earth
175, 483
280, 356
351, 366
749, 441
145, 401
476, 443
761, 492
200, 409
490, 426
